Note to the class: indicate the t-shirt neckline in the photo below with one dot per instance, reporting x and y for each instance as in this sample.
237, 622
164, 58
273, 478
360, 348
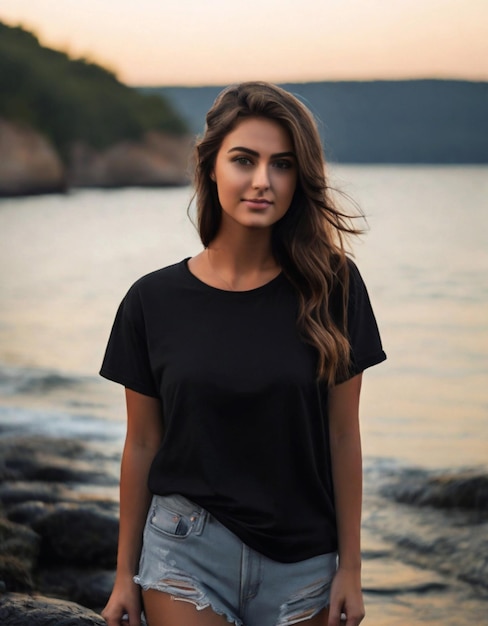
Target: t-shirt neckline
206, 286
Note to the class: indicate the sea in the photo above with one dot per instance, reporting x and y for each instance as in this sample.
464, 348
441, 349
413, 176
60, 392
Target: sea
67, 260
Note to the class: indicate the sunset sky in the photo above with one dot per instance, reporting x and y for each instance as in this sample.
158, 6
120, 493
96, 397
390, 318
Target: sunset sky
202, 42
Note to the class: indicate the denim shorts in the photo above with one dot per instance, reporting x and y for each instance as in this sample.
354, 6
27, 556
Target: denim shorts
193, 557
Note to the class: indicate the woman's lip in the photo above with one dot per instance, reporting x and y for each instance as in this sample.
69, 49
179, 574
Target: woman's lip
258, 203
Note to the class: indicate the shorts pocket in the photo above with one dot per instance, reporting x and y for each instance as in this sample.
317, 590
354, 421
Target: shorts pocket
168, 520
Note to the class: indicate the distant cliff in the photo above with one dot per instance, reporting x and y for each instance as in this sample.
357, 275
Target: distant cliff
66, 122
29, 164
412, 121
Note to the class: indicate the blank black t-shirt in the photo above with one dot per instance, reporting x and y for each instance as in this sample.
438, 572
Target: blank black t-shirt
245, 418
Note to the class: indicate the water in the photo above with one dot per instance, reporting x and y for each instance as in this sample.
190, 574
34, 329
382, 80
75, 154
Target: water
66, 261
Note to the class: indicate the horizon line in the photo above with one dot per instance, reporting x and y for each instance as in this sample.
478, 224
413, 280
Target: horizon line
190, 85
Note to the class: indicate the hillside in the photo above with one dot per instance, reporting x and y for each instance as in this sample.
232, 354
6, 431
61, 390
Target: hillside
70, 123
413, 121
71, 100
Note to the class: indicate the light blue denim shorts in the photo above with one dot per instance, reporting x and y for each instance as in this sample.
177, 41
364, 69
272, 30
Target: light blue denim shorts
190, 555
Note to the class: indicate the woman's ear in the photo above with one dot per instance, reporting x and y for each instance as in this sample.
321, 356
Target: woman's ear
212, 175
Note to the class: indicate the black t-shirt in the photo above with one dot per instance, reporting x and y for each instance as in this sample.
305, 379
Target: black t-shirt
245, 419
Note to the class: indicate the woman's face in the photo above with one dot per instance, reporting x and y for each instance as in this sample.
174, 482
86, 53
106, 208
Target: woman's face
255, 173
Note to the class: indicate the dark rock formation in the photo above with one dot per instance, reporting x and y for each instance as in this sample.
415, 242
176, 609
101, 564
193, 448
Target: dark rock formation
78, 534
48, 460
23, 610
16, 492
85, 586
28, 512
19, 549
467, 490
55, 538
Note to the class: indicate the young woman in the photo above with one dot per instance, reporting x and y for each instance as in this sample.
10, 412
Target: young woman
240, 496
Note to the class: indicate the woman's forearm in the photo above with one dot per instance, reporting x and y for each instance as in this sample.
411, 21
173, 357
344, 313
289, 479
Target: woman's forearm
345, 444
134, 503
347, 476
144, 434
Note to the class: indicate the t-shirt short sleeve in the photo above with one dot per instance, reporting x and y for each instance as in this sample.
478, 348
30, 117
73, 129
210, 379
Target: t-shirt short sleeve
126, 359
363, 333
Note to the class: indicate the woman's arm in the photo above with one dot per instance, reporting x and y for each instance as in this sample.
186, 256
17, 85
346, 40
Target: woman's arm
345, 444
144, 434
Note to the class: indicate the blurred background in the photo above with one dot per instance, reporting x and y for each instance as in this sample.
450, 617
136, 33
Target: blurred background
99, 107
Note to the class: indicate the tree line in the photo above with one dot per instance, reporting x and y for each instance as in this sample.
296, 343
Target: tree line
74, 99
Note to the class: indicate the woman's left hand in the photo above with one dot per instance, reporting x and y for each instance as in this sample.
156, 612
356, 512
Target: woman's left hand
346, 598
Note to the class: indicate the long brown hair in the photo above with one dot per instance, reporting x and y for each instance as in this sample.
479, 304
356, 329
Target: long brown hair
309, 241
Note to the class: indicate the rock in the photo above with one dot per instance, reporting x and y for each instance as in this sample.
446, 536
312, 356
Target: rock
18, 540
32, 511
78, 534
19, 491
177, 150
466, 490
155, 161
23, 457
22, 610
28, 512
19, 548
57, 470
90, 588
15, 574
55, 539
26, 445
29, 164
50, 460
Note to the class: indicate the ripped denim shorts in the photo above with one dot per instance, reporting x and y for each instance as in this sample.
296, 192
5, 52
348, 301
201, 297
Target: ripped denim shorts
193, 557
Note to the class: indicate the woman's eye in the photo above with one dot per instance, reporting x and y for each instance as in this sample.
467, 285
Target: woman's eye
242, 160
283, 164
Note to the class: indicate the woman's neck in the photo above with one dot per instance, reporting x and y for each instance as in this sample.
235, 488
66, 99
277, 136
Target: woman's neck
237, 263
244, 254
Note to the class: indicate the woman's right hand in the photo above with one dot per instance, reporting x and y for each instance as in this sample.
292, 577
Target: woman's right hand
124, 602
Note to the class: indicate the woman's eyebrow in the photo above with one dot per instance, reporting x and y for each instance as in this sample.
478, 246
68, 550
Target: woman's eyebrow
256, 154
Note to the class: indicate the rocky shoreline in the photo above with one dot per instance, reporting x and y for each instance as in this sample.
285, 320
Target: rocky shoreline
30, 165
58, 537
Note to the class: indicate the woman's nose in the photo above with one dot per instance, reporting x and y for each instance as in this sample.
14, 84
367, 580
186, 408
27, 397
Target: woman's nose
261, 177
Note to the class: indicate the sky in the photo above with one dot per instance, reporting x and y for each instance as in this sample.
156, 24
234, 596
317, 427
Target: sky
216, 42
